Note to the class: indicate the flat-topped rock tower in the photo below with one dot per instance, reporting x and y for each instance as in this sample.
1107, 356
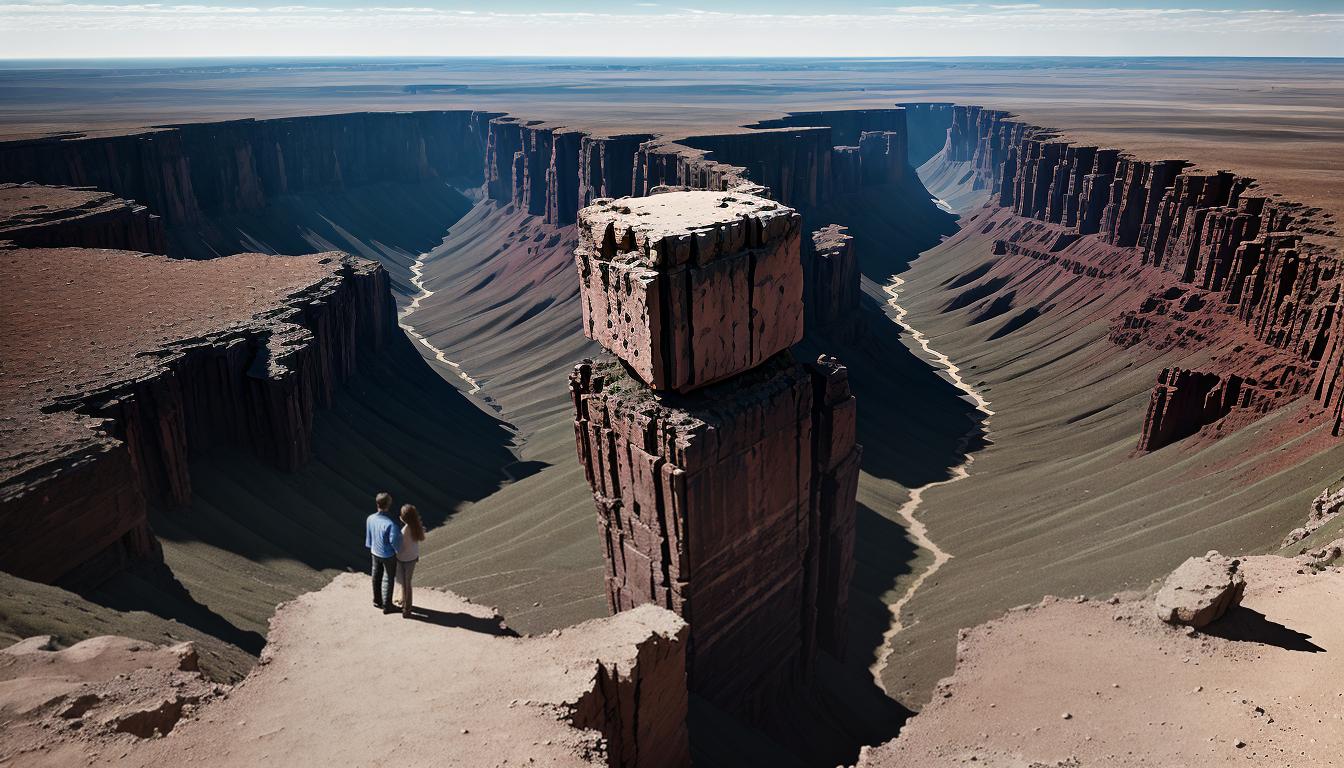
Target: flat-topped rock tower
689, 288
724, 472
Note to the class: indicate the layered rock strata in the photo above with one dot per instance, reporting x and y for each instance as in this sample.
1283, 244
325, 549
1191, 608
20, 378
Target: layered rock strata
1255, 276
186, 172
732, 501
691, 287
116, 376
35, 216
821, 155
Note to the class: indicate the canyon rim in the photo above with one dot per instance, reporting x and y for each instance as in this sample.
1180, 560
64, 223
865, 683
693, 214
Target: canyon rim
759, 411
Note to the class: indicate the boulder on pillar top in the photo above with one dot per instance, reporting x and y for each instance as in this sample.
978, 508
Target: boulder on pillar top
689, 288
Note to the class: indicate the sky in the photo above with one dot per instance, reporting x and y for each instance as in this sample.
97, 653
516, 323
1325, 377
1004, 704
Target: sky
718, 28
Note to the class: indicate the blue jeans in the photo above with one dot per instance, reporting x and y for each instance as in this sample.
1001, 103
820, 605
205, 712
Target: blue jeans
384, 574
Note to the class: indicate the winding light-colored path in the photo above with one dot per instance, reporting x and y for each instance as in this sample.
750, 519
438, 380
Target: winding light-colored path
418, 280
918, 531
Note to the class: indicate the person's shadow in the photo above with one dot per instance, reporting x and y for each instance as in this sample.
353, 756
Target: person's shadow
1248, 625
488, 626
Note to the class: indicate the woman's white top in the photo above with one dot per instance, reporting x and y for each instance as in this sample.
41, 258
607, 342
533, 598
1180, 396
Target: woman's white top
410, 548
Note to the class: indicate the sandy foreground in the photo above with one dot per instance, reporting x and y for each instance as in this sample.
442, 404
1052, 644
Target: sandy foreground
340, 683
1105, 683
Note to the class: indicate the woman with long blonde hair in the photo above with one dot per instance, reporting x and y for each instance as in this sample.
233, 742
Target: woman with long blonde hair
408, 554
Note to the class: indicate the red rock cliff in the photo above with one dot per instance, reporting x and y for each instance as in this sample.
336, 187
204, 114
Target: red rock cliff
1244, 274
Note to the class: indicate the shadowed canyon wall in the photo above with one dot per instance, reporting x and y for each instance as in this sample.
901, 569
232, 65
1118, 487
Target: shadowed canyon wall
186, 173
1254, 278
76, 507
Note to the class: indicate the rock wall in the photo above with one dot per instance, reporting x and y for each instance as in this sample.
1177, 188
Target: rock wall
254, 385
186, 172
730, 503
1255, 272
832, 279
36, 216
639, 703
926, 125
713, 505
607, 166
793, 163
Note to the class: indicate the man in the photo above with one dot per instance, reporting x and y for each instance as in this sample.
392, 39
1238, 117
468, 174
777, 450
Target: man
382, 537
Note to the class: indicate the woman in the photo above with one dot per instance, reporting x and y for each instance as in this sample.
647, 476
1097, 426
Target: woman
408, 554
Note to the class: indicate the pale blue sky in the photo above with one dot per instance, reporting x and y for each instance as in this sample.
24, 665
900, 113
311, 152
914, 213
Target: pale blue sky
117, 28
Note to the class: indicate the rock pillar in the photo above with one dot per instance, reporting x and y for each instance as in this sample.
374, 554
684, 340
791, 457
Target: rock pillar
724, 472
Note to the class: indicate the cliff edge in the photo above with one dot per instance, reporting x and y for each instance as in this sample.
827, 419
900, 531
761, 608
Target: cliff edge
342, 684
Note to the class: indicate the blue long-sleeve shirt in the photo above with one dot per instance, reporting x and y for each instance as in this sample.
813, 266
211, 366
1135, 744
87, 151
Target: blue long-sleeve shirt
382, 535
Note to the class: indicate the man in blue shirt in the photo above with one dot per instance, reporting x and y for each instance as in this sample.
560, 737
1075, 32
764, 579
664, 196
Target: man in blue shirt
382, 537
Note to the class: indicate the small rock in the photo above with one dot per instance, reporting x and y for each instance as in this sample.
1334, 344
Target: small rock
1066, 716
1200, 591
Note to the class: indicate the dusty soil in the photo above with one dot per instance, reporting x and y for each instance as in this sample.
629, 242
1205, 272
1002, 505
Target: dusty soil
1084, 683
344, 684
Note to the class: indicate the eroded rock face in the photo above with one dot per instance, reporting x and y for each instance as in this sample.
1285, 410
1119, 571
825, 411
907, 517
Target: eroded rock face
104, 409
185, 172
1200, 591
1243, 272
833, 284
35, 216
725, 482
733, 506
1324, 508
692, 287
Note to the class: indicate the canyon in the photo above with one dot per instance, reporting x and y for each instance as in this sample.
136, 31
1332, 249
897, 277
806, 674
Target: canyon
1158, 339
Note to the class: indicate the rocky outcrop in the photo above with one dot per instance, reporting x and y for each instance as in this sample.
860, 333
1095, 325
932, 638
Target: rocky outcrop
693, 287
186, 172
1185, 401
129, 389
94, 691
661, 163
731, 503
35, 216
1242, 271
832, 279
1324, 508
1200, 591
609, 692
639, 700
